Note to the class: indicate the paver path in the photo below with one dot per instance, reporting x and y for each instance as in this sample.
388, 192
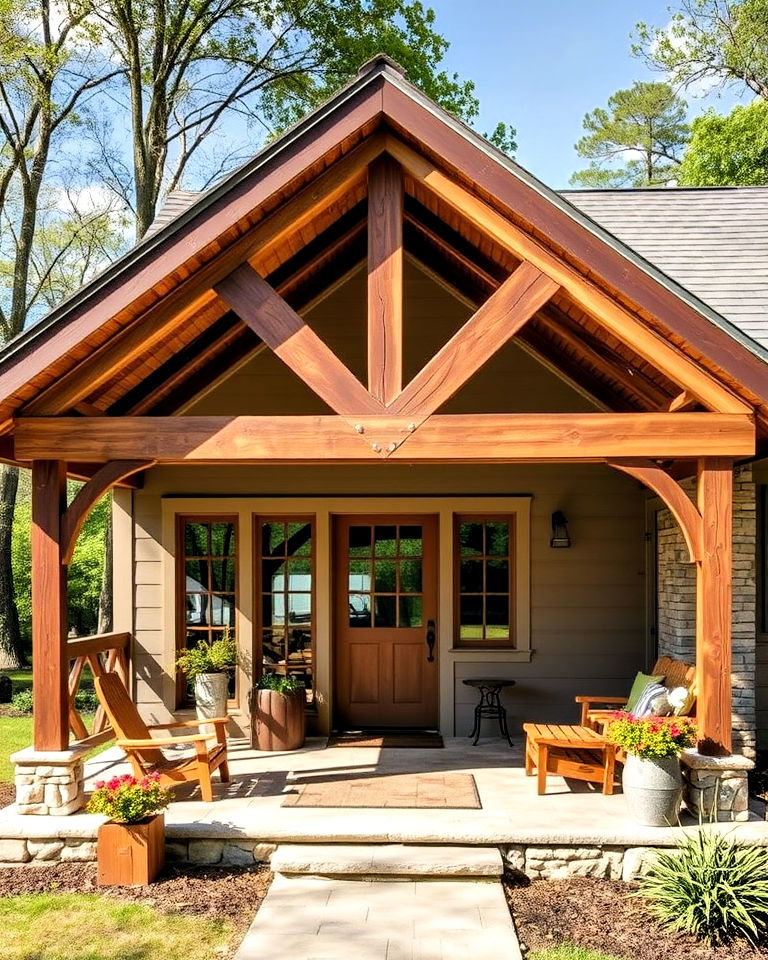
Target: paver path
316, 918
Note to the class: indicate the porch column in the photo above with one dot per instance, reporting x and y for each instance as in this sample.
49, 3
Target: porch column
49, 607
713, 605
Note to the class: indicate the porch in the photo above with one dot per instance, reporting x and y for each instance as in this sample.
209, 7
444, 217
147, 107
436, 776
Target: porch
573, 830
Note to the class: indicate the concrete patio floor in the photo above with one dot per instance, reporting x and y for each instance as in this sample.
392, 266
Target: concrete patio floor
250, 807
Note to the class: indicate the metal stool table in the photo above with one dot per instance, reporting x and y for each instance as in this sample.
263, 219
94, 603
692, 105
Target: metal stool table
490, 706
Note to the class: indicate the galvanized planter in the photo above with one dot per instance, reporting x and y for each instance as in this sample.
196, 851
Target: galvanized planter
211, 691
653, 789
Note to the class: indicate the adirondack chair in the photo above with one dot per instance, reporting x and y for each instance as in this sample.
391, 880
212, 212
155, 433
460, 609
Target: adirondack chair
143, 749
596, 711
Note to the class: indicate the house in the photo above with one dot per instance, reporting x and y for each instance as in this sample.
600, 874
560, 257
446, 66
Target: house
342, 397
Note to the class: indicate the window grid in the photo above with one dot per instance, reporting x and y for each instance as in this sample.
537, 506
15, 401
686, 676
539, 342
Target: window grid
484, 607
385, 575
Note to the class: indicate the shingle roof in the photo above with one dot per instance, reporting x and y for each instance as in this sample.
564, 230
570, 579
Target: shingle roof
712, 241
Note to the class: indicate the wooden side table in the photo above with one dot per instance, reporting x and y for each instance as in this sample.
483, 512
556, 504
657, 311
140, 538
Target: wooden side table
569, 751
490, 705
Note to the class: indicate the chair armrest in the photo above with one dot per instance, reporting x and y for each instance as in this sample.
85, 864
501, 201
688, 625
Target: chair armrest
163, 741
181, 724
618, 700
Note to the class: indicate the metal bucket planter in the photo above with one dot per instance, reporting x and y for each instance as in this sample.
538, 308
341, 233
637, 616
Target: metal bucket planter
653, 789
211, 693
277, 720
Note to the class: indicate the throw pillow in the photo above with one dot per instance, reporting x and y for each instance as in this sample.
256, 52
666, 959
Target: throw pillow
651, 693
682, 700
661, 707
641, 682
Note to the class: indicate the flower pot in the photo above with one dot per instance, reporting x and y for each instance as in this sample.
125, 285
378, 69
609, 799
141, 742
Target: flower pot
653, 789
277, 720
211, 694
130, 854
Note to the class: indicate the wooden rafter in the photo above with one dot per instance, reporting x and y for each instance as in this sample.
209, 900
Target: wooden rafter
385, 279
586, 295
283, 330
496, 322
469, 438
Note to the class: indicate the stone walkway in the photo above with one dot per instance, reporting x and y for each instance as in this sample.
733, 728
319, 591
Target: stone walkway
329, 918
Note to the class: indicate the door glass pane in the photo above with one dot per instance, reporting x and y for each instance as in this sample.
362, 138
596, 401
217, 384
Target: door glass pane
299, 574
223, 574
471, 539
223, 610
411, 541
197, 606
273, 647
497, 575
196, 539
273, 575
223, 539
299, 543
385, 612
386, 576
300, 646
359, 541
196, 572
299, 607
411, 612
410, 576
273, 539
360, 575
385, 541
359, 610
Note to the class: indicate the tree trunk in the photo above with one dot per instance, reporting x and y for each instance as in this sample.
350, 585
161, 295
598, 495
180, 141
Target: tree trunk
11, 650
105, 623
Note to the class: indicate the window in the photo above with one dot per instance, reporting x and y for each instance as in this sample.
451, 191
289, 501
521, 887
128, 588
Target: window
762, 558
484, 549
207, 552
385, 575
285, 550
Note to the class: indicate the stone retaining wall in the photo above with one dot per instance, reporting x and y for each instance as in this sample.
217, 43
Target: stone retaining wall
561, 863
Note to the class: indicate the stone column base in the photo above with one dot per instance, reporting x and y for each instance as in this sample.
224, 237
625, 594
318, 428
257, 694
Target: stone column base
49, 783
715, 788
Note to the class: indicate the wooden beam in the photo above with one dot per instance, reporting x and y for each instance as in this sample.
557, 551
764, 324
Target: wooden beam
385, 279
297, 344
669, 490
496, 322
468, 438
683, 401
588, 296
50, 665
88, 495
713, 606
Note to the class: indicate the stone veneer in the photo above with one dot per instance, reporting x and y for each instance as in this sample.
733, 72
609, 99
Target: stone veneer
677, 601
49, 783
716, 788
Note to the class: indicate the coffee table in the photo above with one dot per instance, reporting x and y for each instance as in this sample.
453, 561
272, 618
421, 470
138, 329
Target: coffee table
574, 752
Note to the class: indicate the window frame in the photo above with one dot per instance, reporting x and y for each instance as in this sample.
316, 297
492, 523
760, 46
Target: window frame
258, 611
484, 643
762, 558
182, 700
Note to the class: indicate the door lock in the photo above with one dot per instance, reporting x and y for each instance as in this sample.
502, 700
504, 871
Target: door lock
430, 641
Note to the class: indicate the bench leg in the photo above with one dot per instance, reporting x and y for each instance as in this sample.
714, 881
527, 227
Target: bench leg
528, 757
542, 762
609, 769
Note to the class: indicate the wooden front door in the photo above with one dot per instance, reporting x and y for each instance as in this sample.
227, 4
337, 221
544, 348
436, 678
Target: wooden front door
385, 591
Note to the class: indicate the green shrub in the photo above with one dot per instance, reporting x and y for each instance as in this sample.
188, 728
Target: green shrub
216, 656
279, 683
712, 886
22, 701
86, 701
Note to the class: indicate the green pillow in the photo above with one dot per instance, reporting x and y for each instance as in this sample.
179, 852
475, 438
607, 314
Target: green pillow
641, 682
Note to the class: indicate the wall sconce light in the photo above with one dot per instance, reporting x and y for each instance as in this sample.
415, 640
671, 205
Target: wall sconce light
560, 536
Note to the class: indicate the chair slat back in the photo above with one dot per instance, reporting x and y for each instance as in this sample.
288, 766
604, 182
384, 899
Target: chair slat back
125, 718
677, 673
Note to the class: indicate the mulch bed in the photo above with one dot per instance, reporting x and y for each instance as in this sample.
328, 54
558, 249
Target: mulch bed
232, 893
7, 794
601, 915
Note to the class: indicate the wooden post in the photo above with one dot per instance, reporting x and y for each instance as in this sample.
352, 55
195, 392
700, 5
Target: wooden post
385, 279
713, 605
49, 606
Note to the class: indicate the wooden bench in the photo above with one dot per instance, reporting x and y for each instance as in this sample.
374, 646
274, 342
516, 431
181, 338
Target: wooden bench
575, 752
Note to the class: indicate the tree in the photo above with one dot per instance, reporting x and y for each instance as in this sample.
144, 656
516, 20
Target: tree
728, 150
635, 142
711, 41
192, 68
50, 65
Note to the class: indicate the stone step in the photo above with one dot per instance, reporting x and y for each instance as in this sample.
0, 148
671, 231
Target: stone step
386, 860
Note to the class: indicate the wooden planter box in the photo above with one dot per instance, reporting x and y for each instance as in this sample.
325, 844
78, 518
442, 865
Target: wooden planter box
131, 854
277, 720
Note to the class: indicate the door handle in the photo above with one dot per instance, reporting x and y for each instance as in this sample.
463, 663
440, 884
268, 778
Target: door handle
430, 641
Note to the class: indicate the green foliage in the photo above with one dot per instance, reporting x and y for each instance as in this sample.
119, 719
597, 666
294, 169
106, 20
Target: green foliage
636, 141
728, 150
22, 702
86, 701
651, 737
504, 137
127, 800
215, 656
711, 41
15, 735
85, 571
286, 685
712, 886
569, 951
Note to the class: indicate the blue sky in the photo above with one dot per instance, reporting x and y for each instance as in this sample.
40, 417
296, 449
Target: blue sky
542, 64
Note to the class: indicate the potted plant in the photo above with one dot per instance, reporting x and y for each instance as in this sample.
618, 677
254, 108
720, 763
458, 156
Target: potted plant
652, 781
208, 664
278, 713
131, 845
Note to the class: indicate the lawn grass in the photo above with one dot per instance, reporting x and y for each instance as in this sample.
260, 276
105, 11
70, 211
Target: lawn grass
80, 926
569, 951
15, 734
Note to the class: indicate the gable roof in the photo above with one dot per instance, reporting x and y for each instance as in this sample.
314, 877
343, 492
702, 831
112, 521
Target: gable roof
196, 242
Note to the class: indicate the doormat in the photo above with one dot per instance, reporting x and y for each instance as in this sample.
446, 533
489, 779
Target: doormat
446, 791
387, 738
